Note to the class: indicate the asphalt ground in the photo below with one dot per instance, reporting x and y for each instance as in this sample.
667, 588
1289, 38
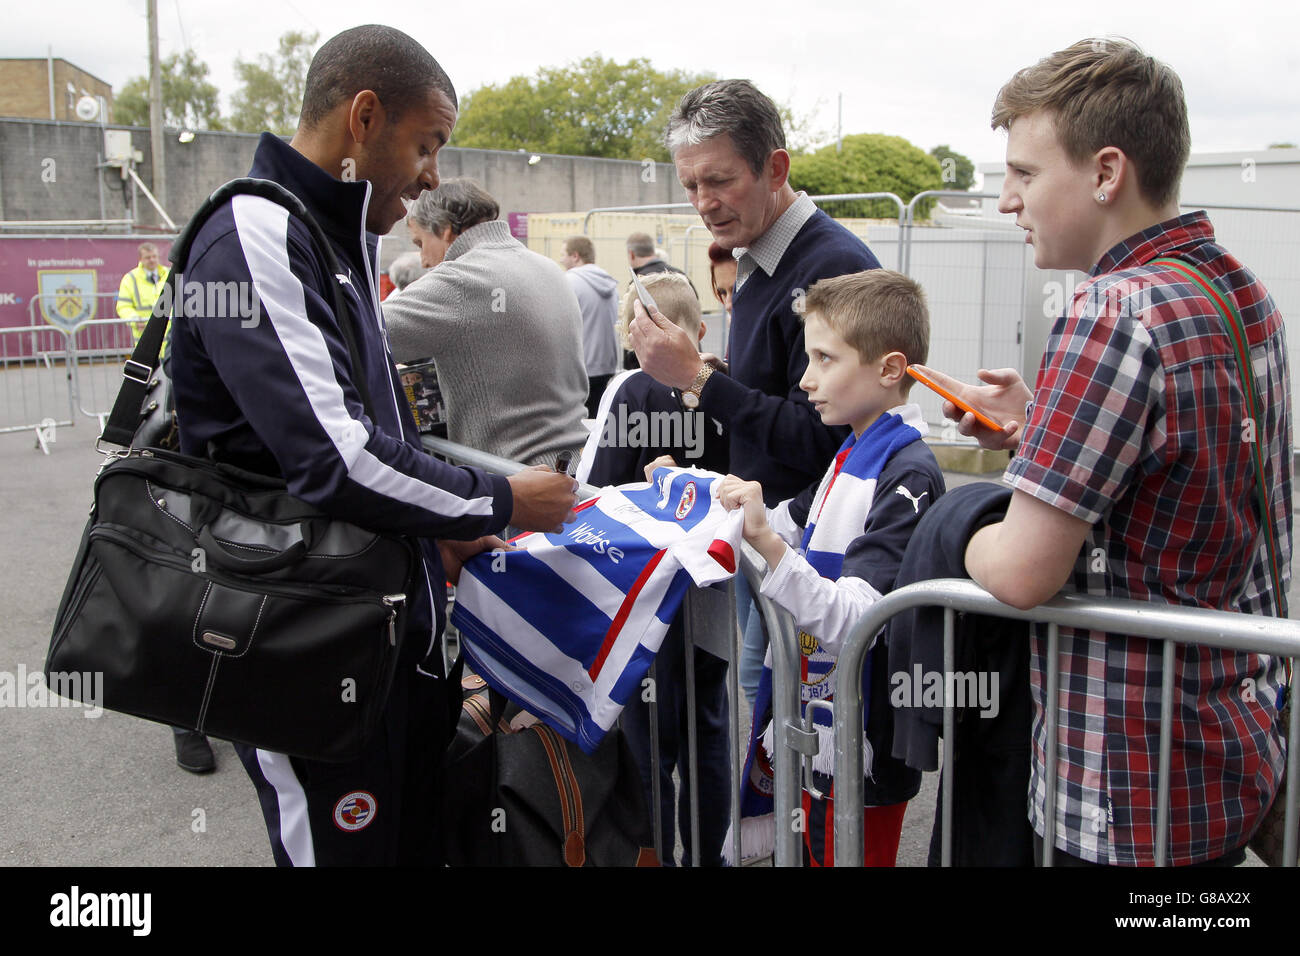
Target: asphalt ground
105, 790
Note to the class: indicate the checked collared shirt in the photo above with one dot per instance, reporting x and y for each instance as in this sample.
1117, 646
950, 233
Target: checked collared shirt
768, 249
1139, 427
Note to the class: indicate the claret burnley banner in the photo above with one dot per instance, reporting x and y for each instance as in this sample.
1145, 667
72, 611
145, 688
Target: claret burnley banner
76, 277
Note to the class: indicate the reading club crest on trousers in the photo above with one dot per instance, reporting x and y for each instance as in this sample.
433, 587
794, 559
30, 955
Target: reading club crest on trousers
354, 811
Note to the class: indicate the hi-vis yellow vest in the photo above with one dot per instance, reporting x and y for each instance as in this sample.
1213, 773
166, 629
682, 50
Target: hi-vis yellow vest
136, 297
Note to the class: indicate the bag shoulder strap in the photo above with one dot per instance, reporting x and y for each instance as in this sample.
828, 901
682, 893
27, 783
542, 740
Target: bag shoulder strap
138, 371
1236, 330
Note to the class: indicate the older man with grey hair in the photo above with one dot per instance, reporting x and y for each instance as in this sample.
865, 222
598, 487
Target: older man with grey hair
501, 324
728, 145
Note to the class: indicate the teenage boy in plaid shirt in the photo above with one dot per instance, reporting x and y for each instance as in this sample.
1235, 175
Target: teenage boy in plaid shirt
1132, 473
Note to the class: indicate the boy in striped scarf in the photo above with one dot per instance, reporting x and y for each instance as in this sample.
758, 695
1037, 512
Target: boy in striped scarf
835, 549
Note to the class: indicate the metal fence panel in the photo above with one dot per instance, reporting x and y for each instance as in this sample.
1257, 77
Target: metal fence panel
1242, 632
34, 378
98, 350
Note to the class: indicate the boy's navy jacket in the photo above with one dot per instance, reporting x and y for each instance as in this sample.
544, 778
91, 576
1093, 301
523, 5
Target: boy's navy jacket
275, 393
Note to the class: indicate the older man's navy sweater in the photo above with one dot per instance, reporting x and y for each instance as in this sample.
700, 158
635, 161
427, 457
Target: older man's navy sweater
777, 437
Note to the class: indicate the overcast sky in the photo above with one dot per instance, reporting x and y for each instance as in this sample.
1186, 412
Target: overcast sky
927, 71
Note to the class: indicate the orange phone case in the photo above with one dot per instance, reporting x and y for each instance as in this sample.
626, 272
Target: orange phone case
935, 386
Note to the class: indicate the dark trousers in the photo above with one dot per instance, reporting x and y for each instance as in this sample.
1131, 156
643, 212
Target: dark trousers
712, 729
378, 810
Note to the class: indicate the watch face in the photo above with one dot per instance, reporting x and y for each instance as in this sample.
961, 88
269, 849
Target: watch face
690, 399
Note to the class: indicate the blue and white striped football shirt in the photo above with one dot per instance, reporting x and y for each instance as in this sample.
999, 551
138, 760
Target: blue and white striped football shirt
567, 624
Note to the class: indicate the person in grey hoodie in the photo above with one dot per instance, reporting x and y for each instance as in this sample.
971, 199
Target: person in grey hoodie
597, 293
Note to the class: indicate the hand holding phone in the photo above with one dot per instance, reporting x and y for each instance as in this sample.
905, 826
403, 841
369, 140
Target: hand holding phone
965, 406
646, 298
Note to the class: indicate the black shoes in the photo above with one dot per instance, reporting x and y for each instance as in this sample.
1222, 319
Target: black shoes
193, 752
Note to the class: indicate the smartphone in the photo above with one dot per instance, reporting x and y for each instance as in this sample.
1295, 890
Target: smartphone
646, 298
964, 406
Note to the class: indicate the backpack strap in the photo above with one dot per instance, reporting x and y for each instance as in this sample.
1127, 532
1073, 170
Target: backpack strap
138, 371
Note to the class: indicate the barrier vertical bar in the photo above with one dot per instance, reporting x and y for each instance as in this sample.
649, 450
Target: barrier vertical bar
733, 703
949, 732
1292, 815
848, 745
1166, 752
1050, 714
692, 744
656, 797
785, 718
70, 376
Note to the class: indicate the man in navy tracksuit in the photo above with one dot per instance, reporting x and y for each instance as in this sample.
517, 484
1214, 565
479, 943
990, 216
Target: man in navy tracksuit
276, 393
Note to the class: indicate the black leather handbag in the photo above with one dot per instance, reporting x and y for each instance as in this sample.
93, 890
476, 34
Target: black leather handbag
524, 796
208, 597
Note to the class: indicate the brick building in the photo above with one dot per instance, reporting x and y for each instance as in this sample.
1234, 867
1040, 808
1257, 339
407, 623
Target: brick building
26, 86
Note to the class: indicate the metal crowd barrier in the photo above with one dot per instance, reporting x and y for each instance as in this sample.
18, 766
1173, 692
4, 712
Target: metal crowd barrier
97, 350
1181, 625
35, 379
51, 373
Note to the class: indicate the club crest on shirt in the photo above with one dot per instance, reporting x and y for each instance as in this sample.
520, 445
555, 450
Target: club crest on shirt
354, 811
687, 501
815, 669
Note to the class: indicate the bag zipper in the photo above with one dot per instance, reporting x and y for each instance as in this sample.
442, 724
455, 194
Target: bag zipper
575, 853
74, 605
389, 601
124, 462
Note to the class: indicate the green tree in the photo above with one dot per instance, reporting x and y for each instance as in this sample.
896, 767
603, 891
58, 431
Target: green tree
271, 87
956, 170
595, 107
189, 100
868, 163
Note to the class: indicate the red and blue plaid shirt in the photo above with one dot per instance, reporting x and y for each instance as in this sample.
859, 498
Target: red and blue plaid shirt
1139, 427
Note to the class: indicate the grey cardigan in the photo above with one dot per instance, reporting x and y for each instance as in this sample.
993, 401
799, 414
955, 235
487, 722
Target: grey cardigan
504, 328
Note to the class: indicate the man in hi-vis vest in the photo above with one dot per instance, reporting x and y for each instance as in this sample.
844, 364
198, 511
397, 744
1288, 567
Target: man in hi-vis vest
140, 288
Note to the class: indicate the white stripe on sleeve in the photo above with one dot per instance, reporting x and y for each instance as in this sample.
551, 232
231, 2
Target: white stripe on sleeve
263, 235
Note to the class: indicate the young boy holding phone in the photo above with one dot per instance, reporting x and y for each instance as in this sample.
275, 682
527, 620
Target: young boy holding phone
833, 550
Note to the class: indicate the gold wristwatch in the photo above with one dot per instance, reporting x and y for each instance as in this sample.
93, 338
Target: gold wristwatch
691, 397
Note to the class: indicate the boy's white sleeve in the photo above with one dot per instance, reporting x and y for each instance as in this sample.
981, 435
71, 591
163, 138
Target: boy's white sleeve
779, 520
826, 609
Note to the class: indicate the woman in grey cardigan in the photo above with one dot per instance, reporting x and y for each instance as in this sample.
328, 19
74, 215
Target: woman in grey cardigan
503, 327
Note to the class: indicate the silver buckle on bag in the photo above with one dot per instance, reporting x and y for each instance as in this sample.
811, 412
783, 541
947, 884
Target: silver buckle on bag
141, 379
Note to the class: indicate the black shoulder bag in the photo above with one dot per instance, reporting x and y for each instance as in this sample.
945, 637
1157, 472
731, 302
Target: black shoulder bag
208, 597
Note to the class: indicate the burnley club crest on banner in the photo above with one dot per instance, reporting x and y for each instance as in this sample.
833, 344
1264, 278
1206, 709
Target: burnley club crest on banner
67, 296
